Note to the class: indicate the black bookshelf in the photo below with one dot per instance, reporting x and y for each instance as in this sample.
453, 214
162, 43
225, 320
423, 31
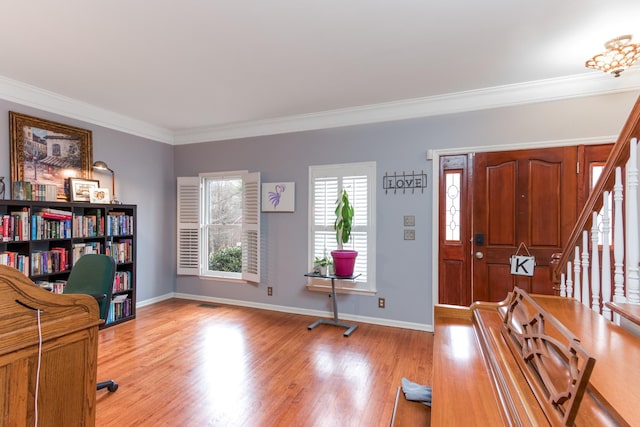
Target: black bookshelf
44, 239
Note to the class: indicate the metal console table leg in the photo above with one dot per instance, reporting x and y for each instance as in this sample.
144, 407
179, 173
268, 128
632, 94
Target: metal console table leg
335, 322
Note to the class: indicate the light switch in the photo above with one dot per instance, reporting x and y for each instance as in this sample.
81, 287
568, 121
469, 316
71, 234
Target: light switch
409, 234
409, 221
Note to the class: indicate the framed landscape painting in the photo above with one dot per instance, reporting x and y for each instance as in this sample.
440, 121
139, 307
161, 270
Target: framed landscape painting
46, 152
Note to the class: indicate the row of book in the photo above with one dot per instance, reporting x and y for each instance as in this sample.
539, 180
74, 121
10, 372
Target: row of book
18, 226
79, 249
120, 308
24, 190
57, 287
122, 281
15, 260
121, 251
15, 226
119, 224
54, 260
59, 224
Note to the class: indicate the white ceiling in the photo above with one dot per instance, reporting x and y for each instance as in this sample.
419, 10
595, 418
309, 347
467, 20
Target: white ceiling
200, 70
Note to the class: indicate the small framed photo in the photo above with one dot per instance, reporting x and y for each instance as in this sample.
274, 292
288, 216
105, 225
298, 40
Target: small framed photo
278, 196
99, 195
80, 189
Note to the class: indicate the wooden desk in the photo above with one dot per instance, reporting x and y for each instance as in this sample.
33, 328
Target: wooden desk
67, 327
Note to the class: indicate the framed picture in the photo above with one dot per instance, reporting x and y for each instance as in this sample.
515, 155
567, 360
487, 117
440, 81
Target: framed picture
46, 152
99, 195
278, 196
80, 189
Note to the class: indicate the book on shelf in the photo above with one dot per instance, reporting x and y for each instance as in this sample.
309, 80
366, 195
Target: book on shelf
46, 228
120, 308
98, 220
26, 190
54, 260
21, 224
122, 281
14, 226
16, 260
50, 213
119, 224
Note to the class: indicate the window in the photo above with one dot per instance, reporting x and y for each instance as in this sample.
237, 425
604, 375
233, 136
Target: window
325, 183
452, 205
596, 171
218, 225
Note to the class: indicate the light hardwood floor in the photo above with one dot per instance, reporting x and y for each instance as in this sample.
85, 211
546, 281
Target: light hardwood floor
187, 363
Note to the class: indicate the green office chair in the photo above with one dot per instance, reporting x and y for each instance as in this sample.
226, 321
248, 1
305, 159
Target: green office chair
93, 274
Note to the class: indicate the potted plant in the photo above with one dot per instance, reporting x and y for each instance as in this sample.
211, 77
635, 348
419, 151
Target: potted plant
321, 265
343, 259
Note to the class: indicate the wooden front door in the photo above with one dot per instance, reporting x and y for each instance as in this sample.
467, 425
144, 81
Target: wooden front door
505, 201
523, 202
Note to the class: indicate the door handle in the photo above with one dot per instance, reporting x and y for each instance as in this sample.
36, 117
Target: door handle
479, 255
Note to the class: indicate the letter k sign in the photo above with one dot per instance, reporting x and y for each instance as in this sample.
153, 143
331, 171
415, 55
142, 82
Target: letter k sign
522, 265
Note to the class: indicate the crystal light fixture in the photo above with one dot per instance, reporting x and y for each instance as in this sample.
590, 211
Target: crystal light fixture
620, 55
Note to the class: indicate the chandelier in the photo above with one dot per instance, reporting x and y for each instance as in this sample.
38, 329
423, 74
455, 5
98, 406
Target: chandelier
620, 55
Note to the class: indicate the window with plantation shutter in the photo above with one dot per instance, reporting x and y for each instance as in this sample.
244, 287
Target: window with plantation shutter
188, 198
219, 225
325, 183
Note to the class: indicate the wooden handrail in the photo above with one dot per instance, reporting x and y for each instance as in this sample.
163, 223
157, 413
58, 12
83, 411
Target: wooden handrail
618, 157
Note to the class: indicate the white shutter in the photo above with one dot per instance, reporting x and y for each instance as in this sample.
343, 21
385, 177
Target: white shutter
359, 190
251, 227
188, 199
325, 193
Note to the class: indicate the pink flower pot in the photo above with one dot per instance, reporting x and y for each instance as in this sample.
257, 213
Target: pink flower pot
344, 262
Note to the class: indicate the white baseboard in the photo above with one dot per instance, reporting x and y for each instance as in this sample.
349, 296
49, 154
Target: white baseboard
293, 310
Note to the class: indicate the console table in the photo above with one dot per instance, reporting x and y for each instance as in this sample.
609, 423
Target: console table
334, 321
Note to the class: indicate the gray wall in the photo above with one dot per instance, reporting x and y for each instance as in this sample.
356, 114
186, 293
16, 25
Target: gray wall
146, 171
144, 177
404, 268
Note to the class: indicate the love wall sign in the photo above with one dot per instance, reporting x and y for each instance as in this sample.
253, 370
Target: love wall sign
404, 182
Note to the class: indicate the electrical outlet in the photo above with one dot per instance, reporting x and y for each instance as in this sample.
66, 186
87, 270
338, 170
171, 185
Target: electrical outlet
409, 221
409, 234
270, 291
381, 303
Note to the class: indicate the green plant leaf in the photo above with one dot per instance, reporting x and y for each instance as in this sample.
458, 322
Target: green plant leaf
344, 216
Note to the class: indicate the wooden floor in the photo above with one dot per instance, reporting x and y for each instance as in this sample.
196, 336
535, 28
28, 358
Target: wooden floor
185, 363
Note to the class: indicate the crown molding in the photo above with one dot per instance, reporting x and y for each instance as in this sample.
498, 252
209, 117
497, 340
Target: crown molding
582, 85
32, 96
587, 84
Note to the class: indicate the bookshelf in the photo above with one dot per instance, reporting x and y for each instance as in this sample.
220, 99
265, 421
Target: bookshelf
44, 239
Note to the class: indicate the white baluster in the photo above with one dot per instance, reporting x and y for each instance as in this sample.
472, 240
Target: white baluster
585, 268
606, 257
569, 281
618, 240
563, 286
633, 241
595, 265
576, 274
